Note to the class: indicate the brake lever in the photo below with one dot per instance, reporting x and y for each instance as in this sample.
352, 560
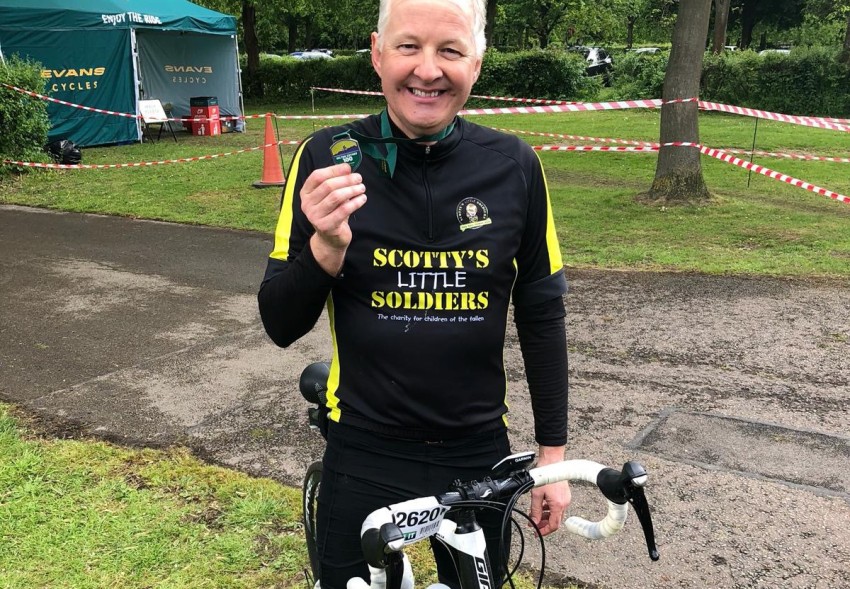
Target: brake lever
635, 477
627, 486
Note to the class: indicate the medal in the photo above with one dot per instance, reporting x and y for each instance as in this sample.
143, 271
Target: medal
346, 150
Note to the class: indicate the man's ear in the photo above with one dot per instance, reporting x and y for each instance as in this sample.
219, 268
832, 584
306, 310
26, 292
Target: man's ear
376, 55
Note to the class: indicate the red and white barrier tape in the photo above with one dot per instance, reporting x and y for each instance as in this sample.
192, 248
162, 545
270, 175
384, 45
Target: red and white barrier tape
320, 117
530, 100
731, 159
793, 156
546, 106
820, 122
715, 153
503, 98
630, 148
559, 108
122, 114
576, 137
341, 91
80, 106
143, 164
823, 122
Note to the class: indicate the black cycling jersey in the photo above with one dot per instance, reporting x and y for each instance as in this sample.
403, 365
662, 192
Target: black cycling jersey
418, 313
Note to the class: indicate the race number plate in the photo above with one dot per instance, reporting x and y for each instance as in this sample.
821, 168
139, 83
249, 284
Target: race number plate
418, 518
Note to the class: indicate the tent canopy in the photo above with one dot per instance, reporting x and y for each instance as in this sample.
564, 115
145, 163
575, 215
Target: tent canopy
166, 15
108, 54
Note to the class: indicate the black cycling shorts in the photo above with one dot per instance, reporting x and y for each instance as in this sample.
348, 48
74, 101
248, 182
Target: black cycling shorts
364, 471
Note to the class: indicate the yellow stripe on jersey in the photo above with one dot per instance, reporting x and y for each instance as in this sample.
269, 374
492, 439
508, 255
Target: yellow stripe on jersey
556, 264
333, 377
283, 231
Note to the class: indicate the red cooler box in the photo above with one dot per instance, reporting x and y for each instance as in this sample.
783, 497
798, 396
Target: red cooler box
205, 115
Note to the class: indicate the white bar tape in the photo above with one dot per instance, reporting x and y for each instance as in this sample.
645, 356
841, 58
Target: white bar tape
608, 526
588, 471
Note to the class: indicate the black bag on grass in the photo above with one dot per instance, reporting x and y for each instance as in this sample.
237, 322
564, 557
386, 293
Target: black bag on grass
64, 151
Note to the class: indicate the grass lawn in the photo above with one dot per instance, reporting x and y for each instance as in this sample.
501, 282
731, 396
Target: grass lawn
89, 514
82, 513
767, 227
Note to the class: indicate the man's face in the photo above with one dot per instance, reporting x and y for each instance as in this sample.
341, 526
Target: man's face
471, 210
427, 64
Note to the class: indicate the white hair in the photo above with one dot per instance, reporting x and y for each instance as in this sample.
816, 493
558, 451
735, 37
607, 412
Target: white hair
476, 8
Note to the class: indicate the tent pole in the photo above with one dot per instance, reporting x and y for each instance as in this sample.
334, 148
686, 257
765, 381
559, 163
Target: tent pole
134, 52
239, 77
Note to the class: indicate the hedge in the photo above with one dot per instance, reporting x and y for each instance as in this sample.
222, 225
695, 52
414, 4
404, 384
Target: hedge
23, 120
639, 76
808, 81
535, 74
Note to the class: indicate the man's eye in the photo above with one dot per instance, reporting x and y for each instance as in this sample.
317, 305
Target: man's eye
407, 47
452, 53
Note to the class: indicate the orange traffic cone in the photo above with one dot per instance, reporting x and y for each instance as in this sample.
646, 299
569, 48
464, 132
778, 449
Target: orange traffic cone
272, 172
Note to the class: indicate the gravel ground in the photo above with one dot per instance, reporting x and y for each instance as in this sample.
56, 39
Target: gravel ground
733, 392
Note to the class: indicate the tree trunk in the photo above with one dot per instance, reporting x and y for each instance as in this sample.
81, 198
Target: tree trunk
292, 33
491, 21
844, 54
748, 22
630, 31
678, 173
252, 48
721, 22
309, 31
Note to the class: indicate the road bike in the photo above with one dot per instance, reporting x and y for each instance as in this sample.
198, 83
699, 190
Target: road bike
451, 516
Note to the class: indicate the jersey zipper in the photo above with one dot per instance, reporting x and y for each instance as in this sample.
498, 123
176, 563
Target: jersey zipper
428, 201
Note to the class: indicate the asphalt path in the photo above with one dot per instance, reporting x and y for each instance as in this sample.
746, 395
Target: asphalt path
732, 391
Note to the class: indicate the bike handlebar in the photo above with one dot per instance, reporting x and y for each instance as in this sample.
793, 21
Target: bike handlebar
413, 520
386, 530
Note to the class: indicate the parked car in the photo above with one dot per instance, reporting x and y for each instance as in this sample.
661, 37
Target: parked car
775, 51
599, 61
647, 50
310, 55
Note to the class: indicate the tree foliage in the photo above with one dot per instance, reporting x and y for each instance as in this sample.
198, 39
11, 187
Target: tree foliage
24, 120
283, 27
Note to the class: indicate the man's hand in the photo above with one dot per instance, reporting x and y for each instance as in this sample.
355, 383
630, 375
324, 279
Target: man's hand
328, 198
549, 503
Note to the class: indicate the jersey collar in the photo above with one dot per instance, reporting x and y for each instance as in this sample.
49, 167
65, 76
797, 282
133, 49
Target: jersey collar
384, 149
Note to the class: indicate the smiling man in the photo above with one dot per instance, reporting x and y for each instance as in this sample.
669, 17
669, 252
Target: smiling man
417, 280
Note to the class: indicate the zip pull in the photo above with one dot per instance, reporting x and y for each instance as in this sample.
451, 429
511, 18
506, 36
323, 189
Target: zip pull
427, 150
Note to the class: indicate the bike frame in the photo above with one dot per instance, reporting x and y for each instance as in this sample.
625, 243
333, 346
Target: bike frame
466, 539
451, 516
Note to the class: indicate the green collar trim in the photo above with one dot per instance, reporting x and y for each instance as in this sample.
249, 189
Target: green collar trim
384, 149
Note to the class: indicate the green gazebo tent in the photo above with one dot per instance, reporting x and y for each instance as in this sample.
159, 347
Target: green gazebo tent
109, 54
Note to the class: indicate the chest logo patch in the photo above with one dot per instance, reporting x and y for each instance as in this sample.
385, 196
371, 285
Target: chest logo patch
472, 214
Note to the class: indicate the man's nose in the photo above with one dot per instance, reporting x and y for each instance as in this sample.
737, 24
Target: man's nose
428, 68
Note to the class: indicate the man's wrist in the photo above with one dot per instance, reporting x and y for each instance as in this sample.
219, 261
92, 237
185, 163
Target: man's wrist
328, 257
550, 454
